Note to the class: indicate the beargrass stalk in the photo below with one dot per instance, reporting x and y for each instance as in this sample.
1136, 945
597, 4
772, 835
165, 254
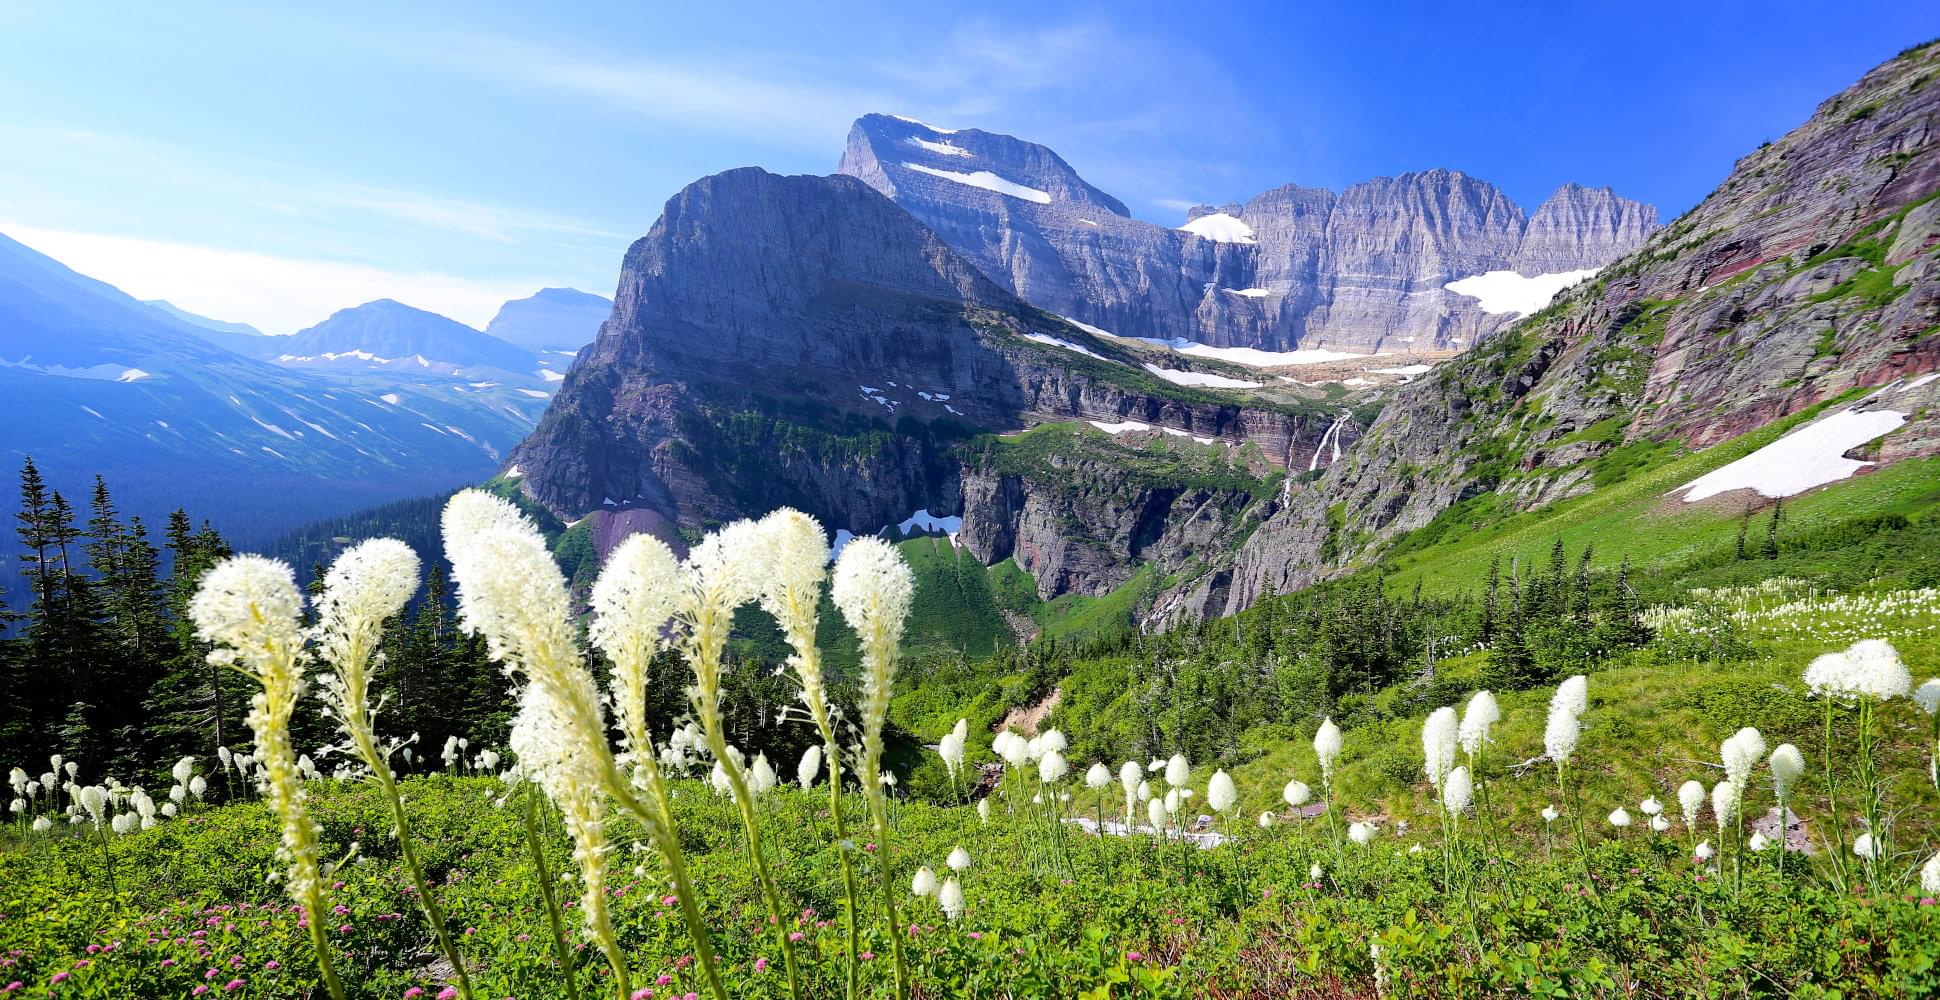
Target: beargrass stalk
368, 584
872, 587
511, 592
247, 608
528, 807
633, 599
798, 557
721, 574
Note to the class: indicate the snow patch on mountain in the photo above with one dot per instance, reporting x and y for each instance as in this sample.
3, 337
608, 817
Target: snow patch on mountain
1813, 455
1509, 292
1204, 379
988, 181
940, 148
1045, 338
1220, 228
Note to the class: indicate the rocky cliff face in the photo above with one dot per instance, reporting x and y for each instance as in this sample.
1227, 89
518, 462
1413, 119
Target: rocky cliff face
805, 341
1814, 269
1294, 266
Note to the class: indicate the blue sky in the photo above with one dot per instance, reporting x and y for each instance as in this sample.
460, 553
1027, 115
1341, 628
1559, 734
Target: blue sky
270, 166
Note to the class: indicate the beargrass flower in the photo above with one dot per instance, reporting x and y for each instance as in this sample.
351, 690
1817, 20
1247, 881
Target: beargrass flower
1724, 803
1266, 821
1659, 823
1866, 847
1741, 753
1052, 768
1098, 776
1157, 814
511, 592
1758, 842
1788, 765
924, 882
1650, 806
959, 859
1550, 814
950, 898
1481, 714
1221, 795
1930, 876
1703, 851
1690, 798
1178, 771
810, 766
249, 609
1327, 744
1457, 791
1360, 832
983, 810
1438, 743
1296, 793
1620, 818
1565, 724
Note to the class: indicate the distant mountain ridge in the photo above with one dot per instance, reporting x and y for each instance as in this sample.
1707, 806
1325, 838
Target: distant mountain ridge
93, 381
551, 319
1362, 270
389, 334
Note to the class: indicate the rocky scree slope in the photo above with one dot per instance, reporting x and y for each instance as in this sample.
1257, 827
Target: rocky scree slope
1813, 270
1364, 269
804, 341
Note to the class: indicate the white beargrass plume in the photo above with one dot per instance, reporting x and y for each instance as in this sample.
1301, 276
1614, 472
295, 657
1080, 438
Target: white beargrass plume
924, 883
1930, 876
249, 610
1097, 776
959, 859
810, 766
1560, 736
632, 601
1758, 842
1650, 806
1690, 798
1221, 795
1296, 793
183, 770
1867, 847
510, 592
1869, 672
1703, 852
1178, 771
1052, 767
1724, 804
1266, 821
1438, 742
1788, 765
950, 898
1565, 725
1130, 777
367, 585
872, 587
762, 777
983, 811
1550, 814
1158, 815
1481, 714
1659, 823
1360, 832
1741, 753
1458, 791
1327, 746
1620, 818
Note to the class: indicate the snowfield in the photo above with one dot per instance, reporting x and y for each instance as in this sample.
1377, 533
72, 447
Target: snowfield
986, 180
941, 148
1220, 228
1508, 292
1177, 377
1250, 293
1813, 455
1045, 338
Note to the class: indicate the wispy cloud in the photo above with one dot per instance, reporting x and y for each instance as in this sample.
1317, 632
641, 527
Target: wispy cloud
274, 294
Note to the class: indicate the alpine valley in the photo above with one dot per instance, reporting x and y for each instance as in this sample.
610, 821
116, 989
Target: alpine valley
957, 333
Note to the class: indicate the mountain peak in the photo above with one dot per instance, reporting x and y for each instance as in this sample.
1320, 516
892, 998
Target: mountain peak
551, 319
903, 157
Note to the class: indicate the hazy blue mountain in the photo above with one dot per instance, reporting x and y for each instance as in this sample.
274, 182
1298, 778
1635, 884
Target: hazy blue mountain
389, 335
94, 381
239, 337
551, 320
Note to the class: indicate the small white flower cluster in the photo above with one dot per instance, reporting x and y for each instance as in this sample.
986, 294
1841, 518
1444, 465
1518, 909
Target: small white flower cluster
949, 892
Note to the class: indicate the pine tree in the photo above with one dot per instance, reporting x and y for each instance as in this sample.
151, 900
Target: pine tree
1771, 532
1582, 593
1488, 599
